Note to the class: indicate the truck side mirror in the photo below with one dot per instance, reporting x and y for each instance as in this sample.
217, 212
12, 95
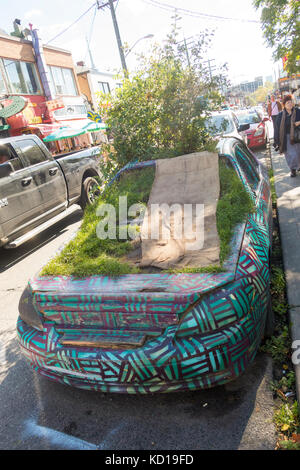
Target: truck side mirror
6, 169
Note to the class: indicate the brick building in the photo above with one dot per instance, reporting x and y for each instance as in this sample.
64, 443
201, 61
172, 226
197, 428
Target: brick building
45, 77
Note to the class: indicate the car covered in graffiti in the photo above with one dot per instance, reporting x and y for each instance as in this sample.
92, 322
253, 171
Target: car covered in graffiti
160, 331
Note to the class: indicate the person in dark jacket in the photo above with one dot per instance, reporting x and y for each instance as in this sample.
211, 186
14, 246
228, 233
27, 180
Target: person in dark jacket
285, 124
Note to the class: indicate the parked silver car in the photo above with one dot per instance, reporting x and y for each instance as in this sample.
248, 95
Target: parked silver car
225, 123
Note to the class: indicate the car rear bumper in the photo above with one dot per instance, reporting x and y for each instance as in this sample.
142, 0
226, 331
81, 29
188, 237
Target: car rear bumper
163, 364
253, 142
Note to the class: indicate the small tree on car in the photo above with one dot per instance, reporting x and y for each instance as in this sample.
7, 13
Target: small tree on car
161, 109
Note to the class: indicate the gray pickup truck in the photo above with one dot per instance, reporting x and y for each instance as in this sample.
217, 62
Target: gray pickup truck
37, 189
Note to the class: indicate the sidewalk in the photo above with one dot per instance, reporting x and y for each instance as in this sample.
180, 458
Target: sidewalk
288, 205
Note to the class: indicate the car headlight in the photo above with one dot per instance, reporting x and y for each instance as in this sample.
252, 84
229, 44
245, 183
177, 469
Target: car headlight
259, 131
27, 311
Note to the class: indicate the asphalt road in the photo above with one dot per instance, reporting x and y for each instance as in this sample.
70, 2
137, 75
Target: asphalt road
38, 414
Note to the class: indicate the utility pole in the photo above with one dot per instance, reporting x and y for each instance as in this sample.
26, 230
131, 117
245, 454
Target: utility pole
210, 68
117, 32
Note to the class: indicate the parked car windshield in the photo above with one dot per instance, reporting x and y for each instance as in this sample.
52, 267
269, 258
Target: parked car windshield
249, 118
219, 124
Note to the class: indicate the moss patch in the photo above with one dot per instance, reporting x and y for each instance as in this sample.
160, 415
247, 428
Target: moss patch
88, 255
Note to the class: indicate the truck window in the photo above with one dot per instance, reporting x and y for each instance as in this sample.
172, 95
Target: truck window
7, 154
31, 152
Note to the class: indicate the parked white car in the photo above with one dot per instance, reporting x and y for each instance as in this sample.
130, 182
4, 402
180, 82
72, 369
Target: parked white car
225, 123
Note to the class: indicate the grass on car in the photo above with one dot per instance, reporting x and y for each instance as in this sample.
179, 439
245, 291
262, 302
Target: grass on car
87, 255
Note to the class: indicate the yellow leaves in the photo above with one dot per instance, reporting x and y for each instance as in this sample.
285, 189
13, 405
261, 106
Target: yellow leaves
285, 427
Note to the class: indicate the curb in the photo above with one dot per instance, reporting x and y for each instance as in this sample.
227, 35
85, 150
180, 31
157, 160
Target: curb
288, 208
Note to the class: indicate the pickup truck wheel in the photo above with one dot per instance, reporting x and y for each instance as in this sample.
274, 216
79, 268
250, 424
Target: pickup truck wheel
89, 193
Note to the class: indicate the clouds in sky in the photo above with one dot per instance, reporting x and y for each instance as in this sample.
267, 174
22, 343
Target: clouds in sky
32, 14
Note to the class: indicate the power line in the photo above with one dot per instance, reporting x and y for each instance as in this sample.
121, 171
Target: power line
193, 13
91, 31
70, 26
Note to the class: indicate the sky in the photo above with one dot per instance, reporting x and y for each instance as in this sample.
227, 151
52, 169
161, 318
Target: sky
237, 41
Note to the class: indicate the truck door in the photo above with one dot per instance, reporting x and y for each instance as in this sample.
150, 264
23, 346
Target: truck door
20, 199
46, 173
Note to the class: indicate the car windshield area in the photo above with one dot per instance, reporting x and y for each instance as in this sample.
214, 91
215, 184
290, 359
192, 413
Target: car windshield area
249, 118
219, 125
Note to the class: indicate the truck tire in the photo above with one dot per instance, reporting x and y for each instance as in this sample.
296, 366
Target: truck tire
90, 191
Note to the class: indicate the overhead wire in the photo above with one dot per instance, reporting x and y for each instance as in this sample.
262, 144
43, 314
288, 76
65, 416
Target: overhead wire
194, 13
72, 24
91, 30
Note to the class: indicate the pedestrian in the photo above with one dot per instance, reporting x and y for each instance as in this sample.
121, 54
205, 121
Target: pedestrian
285, 124
274, 108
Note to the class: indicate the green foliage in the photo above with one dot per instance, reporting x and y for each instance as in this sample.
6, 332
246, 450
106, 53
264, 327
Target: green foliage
286, 383
159, 111
287, 418
260, 95
281, 28
272, 183
212, 269
278, 346
277, 281
87, 255
233, 207
289, 445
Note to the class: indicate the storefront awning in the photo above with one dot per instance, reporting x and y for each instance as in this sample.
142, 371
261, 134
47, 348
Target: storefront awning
95, 126
64, 133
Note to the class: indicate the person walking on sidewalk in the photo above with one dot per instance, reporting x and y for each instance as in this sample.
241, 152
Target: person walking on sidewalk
274, 108
285, 124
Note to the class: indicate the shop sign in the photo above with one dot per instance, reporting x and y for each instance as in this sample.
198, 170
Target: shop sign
35, 120
55, 104
94, 116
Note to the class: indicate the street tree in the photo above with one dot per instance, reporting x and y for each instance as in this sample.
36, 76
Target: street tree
281, 28
261, 94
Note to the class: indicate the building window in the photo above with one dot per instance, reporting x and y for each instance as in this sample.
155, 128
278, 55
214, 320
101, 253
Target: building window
22, 77
104, 86
2, 84
63, 81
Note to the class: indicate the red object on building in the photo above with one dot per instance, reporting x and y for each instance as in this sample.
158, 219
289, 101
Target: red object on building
36, 112
284, 61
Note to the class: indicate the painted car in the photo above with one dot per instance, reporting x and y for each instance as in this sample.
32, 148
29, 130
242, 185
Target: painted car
225, 123
161, 332
257, 134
